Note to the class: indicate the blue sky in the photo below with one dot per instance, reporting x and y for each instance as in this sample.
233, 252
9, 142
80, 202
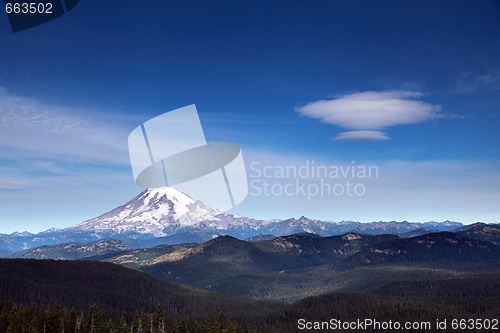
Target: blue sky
411, 87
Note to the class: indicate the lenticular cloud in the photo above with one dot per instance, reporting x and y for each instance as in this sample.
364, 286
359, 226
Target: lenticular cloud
365, 114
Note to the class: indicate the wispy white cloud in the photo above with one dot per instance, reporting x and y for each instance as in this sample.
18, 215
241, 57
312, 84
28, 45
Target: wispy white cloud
12, 185
31, 128
366, 113
469, 82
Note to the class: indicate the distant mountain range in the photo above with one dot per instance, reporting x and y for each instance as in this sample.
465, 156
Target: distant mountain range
167, 216
300, 264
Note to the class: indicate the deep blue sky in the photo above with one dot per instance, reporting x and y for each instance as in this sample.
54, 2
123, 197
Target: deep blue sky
250, 66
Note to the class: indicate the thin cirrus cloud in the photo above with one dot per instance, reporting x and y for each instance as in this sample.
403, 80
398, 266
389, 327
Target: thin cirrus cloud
366, 114
31, 128
469, 82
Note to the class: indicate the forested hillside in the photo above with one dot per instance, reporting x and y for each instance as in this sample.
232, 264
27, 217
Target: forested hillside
92, 297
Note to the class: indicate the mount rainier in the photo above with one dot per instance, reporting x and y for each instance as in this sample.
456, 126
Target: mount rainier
167, 216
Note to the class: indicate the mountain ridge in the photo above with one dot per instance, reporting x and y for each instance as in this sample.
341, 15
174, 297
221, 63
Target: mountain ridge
167, 216
277, 267
73, 251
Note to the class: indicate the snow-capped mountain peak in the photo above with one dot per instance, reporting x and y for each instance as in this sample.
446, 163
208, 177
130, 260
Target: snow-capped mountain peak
152, 212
